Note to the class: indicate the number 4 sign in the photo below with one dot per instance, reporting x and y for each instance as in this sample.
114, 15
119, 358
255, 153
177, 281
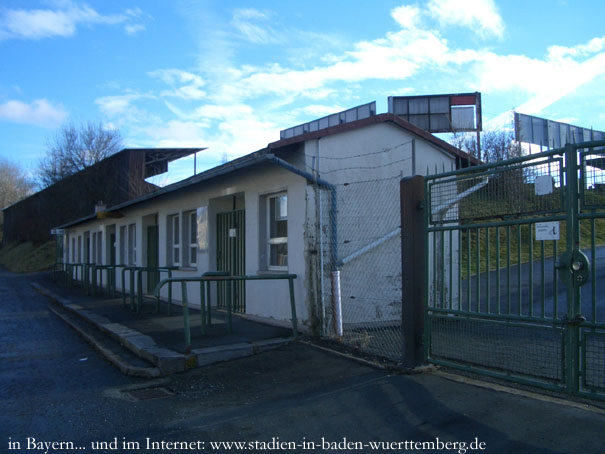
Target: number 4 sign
547, 231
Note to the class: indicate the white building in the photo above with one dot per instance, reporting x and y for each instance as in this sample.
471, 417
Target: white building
325, 196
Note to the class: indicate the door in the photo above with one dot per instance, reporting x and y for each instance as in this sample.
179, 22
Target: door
153, 257
230, 255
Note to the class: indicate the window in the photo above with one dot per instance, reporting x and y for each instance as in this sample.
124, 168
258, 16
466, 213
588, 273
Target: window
132, 244
192, 216
277, 238
73, 250
80, 260
123, 245
94, 247
97, 248
174, 240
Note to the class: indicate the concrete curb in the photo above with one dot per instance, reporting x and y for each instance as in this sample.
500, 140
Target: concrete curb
166, 361
124, 366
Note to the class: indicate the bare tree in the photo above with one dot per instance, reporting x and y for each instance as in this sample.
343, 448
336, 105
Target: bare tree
74, 148
496, 145
14, 185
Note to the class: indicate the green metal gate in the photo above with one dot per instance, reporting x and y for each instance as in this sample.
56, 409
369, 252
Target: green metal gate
230, 255
516, 269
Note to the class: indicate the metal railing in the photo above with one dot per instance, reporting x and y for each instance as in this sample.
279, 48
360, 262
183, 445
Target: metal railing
139, 278
70, 268
135, 303
97, 278
204, 281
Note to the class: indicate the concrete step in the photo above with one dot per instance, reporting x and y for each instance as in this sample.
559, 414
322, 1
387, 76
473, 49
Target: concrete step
127, 362
126, 347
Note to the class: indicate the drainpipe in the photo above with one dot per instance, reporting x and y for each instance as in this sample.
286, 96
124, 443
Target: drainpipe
324, 326
335, 275
323, 183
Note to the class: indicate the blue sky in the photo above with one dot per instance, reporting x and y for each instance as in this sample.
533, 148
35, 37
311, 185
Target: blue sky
229, 75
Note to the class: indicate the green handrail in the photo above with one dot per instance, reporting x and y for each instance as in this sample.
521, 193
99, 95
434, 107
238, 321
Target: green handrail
130, 269
223, 277
71, 267
206, 312
139, 278
132, 273
111, 278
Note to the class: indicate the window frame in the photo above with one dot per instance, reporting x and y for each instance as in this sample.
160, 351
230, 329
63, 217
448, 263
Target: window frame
123, 245
132, 244
94, 248
80, 258
271, 241
174, 240
192, 233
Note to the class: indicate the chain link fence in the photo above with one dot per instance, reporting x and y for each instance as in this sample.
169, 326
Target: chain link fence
365, 247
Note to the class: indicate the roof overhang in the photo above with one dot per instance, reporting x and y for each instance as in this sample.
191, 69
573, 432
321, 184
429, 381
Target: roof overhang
157, 159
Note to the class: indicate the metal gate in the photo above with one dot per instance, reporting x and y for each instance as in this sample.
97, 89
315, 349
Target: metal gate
516, 269
230, 256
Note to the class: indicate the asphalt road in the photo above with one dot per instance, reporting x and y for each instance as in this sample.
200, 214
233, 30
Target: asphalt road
55, 388
518, 297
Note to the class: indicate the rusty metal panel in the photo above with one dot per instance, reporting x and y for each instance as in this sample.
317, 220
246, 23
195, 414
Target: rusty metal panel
435, 113
553, 134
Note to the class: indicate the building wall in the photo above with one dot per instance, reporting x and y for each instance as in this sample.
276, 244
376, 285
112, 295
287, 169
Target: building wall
268, 299
366, 165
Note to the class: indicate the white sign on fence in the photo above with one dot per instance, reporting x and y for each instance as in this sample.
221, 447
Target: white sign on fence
547, 231
543, 185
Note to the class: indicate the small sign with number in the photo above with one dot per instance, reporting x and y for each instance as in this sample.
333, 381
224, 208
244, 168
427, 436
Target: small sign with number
547, 231
232, 233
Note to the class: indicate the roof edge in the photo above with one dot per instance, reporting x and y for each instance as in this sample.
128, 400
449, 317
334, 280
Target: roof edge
374, 119
257, 157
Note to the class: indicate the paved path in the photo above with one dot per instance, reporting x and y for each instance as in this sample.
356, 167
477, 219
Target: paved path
54, 387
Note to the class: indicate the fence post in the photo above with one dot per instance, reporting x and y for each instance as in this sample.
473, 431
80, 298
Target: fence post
413, 259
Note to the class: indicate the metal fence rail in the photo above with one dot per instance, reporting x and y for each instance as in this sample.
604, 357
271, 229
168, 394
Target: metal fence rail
133, 291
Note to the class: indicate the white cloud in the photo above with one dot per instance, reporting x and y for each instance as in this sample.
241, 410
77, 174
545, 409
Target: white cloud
235, 109
184, 84
133, 29
40, 112
179, 134
60, 22
408, 16
479, 15
244, 21
593, 46
123, 108
396, 57
545, 81
136, 16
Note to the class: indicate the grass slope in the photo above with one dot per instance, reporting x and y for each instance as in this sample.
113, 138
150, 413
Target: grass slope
27, 257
